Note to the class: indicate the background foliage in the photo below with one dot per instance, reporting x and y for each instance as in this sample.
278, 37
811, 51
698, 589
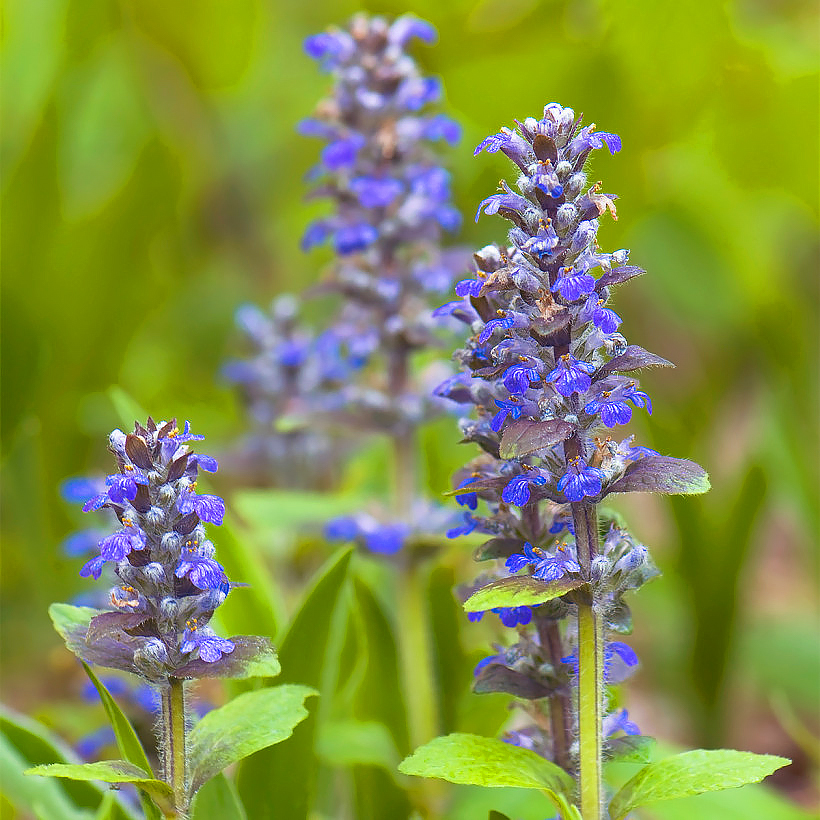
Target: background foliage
152, 182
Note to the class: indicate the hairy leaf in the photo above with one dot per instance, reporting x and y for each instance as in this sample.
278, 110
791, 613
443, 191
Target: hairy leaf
618, 275
523, 436
662, 474
109, 771
630, 749
633, 358
485, 761
695, 772
244, 725
498, 548
519, 590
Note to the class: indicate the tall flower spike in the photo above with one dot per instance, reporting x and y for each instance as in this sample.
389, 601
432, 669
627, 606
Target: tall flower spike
170, 583
543, 368
390, 208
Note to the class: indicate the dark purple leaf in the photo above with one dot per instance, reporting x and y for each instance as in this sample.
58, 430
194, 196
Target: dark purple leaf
142, 500
137, 451
618, 275
113, 625
178, 467
662, 474
186, 524
524, 436
633, 358
544, 148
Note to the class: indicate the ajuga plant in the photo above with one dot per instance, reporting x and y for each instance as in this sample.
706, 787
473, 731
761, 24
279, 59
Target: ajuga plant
157, 624
550, 376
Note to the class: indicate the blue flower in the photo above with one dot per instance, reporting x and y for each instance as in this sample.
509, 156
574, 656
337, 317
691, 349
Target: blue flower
210, 508
619, 721
442, 127
612, 406
387, 539
543, 242
122, 486
571, 375
467, 499
466, 528
202, 639
376, 192
512, 616
619, 662
507, 408
204, 573
580, 480
604, 318
519, 377
517, 491
344, 528
546, 566
116, 546
343, 152
355, 237
508, 201
503, 323
470, 287
589, 138
79, 490
573, 284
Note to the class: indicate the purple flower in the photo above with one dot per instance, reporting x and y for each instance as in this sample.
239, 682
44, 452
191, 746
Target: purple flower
580, 480
387, 539
344, 528
376, 192
468, 499
209, 508
544, 241
470, 287
116, 546
465, 528
512, 616
571, 375
604, 318
589, 138
354, 238
573, 284
507, 408
504, 323
122, 486
546, 566
619, 721
517, 491
442, 127
519, 377
204, 573
508, 201
612, 406
202, 639
407, 26
342, 153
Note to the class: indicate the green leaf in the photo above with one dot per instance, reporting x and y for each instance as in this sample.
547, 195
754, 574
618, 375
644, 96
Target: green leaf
485, 761
695, 772
519, 590
218, 798
351, 742
23, 793
36, 744
244, 725
128, 410
67, 618
127, 741
290, 771
109, 771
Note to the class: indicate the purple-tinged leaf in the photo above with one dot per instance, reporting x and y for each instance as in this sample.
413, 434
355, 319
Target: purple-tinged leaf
113, 625
177, 468
618, 275
524, 436
633, 358
662, 474
519, 590
142, 500
186, 524
498, 678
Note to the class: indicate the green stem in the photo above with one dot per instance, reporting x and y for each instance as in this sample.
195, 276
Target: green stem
590, 666
173, 731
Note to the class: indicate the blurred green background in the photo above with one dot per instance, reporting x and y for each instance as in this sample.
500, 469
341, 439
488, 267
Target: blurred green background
152, 182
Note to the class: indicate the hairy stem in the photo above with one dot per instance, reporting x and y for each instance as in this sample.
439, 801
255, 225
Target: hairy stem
173, 738
590, 667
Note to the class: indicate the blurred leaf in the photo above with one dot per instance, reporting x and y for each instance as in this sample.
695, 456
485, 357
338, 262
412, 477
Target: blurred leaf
103, 129
631, 749
380, 696
110, 771
519, 590
349, 742
692, 773
127, 409
127, 741
36, 744
290, 511
289, 772
523, 437
217, 799
485, 761
244, 725
27, 793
